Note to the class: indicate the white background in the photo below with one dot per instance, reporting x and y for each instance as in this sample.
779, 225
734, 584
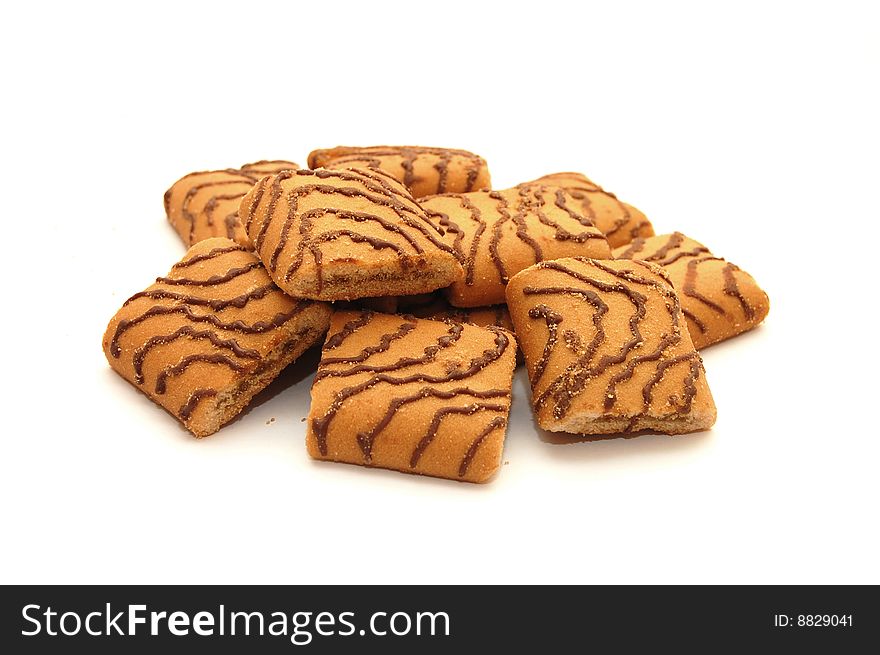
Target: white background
751, 128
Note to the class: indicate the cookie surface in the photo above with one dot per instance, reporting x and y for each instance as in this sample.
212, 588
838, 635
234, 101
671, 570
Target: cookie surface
202, 341
205, 204
718, 299
496, 234
437, 308
607, 350
345, 234
414, 395
424, 171
619, 222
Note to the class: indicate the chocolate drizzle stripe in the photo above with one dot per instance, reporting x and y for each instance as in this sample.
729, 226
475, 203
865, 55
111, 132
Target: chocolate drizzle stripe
256, 198
377, 191
373, 158
337, 339
637, 246
690, 280
732, 289
696, 321
582, 188
195, 398
495, 424
215, 304
522, 230
189, 360
587, 221
383, 345
367, 440
428, 355
230, 275
629, 370
215, 252
576, 375
675, 240
471, 259
275, 192
321, 425
442, 413
682, 254
307, 242
552, 319
690, 389
185, 331
259, 327
495, 241
195, 189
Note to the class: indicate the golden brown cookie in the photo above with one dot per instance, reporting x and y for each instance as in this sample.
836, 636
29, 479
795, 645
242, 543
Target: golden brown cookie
413, 395
496, 234
424, 171
607, 350
618, 221
718, 299
437, 308
345, 234
205, 204
202, 341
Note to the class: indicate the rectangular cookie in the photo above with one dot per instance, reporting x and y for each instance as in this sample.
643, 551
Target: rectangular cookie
424, 171
607, 350
345, 234
496, 234
205, 204
414, 395
202, 341
619, 222
718, 299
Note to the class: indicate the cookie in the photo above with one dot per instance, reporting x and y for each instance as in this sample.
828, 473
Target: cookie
496, 234
205, 204
437, 308
607, 350
202, 341
718, 299
413, 395
345, 234
424, 171
618, 221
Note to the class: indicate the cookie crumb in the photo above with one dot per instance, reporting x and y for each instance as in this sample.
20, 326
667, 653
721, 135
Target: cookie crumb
270, 421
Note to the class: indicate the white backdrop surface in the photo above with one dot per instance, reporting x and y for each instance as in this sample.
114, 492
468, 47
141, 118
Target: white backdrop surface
752, 128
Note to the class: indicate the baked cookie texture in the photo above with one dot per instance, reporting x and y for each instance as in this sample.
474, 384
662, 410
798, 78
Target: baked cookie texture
496, 234
414, 395
718, 299
202, 341
345, 234
434, 306
607, 350
619, 222
424, 171
205, 204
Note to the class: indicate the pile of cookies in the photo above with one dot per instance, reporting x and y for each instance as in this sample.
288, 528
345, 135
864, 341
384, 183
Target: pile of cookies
424, 284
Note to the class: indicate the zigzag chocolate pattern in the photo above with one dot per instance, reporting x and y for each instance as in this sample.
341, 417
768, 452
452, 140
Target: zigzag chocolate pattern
619, 221
407, 370
478, 227
585, 365
213, 320
205, 204
410, 164
284, 204
705, 283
